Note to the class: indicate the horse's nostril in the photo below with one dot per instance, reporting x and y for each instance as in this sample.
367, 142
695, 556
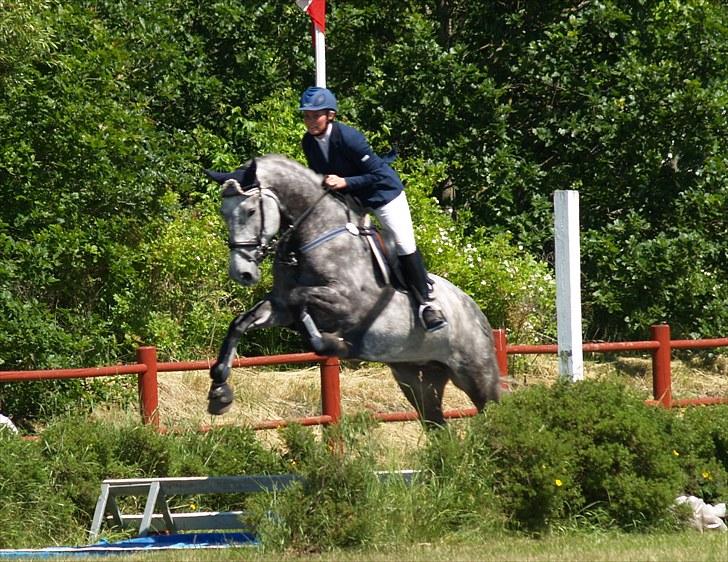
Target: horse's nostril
246, 277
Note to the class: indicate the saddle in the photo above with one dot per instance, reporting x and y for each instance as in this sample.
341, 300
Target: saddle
384, 255
383, 249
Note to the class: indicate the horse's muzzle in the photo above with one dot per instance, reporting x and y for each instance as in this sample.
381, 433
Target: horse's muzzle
244, 272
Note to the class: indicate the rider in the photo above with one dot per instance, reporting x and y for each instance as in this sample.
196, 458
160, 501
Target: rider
344, 157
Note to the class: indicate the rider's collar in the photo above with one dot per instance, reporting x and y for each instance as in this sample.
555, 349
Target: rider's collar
324, 137
323, 141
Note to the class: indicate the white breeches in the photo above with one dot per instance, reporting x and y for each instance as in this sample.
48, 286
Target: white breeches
395, 217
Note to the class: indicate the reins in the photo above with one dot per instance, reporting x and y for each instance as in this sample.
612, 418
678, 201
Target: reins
295, 224
232, 189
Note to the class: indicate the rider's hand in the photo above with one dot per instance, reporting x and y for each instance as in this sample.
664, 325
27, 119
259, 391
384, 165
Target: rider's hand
334, 182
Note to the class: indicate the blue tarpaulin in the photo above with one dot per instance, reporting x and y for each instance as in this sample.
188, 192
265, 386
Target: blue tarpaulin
150, 543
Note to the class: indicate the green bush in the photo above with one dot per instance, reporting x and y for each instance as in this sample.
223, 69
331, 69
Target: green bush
34, 512
457, 494
589, 452
700, 444
82, 453
337, 504
74, 455
28, 402
225, 450
575, 455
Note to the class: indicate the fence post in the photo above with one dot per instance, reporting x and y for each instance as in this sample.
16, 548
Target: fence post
147, 384
330, 389
501, 356
661, 370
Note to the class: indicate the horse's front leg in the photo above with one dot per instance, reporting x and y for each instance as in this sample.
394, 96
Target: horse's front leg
263, 315
323, 300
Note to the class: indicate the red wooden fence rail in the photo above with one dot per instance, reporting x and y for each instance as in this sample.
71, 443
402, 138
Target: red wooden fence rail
147, 368
660, 346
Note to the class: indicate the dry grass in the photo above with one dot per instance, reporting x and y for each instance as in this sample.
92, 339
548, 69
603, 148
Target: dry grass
692, 376
266, 394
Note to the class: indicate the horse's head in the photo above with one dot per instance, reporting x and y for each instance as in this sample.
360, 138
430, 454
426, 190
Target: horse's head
253, 216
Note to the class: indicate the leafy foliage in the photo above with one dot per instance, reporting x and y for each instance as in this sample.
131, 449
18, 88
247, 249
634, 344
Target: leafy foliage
701, 447
110, 110
588, 455
50, 486
332, 501
588, 452
34, 514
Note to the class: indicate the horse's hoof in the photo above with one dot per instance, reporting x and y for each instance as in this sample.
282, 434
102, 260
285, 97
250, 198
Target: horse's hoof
219, 399
334, 345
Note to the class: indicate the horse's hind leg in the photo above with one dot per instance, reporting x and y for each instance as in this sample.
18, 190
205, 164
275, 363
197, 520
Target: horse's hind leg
423, 386
263, 315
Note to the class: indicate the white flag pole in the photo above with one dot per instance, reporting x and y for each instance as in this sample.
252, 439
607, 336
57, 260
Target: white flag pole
568, 284
320, 50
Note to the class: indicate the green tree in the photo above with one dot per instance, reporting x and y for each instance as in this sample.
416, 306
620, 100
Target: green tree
622, 101
110, 110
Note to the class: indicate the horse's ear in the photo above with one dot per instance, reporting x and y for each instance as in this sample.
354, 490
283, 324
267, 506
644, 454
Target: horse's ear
250, 177
246, 177
219, 177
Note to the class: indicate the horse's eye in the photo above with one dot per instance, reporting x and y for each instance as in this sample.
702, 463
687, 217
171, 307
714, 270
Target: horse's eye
251, 212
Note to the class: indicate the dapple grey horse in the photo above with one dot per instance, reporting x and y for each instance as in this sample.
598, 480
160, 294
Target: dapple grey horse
328, 286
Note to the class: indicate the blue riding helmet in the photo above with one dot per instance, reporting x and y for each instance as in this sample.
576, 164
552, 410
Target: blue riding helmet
315, 98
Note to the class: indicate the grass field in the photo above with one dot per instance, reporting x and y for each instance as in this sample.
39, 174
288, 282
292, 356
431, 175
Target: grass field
688, 546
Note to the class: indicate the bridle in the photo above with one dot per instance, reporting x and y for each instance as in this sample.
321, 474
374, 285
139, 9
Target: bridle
254, 250
261, 248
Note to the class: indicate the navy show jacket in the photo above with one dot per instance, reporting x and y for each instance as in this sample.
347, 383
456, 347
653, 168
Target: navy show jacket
369, 178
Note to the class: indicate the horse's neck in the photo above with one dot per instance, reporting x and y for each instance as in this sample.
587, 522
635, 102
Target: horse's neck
322, 212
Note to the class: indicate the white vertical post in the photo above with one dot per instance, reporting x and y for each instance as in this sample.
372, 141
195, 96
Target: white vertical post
316, 9
320, 51
568, 284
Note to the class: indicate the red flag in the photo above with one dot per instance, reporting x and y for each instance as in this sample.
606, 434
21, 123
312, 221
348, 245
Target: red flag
317, 10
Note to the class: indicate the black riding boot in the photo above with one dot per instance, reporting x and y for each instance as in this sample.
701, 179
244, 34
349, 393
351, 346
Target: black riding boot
416, 277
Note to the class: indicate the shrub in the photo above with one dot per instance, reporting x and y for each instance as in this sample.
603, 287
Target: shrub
456, 493
529, 464
589, 450
226, 450
34, 512
82, 453
575, 454
700, 445
336, 504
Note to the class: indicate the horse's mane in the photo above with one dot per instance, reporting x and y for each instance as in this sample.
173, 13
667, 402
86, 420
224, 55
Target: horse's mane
284, 172
274, 169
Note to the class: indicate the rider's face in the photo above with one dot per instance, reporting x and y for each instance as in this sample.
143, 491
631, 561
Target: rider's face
317, 121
